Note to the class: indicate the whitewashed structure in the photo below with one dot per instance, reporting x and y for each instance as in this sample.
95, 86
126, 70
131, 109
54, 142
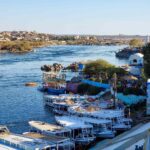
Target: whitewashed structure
136, 64
148, 97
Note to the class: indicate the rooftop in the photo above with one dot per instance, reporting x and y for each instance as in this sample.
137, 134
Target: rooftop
52, 138
72, 122
23, 142
47, 127
98, 113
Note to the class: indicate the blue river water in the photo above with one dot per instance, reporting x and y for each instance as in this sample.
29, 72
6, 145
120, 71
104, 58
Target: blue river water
18, 103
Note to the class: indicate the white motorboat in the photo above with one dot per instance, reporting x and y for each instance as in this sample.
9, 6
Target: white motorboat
61, 108
62, 143
81, 132
119, 122
58, 134
49, 129
102, 128
50, 99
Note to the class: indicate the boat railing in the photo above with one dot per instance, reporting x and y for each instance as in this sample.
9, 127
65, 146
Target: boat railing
14, 145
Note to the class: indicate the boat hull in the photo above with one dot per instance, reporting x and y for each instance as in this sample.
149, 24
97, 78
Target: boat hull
122, 128
105, 135
55, 91
84, 141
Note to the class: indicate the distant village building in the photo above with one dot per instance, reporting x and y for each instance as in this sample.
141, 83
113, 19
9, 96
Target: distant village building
136, 64
2, 39
147, 39
77, 37
87, 37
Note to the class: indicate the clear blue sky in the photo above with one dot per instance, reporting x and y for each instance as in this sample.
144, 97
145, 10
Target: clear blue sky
76, 16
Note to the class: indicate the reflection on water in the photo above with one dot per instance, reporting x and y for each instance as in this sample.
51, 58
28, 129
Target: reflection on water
19, 104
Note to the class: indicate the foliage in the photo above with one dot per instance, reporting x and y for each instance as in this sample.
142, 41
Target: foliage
134, 91
136, 43
146, 51
20, 46
88, 89
119, 71
143, 75
95, 67
101, 68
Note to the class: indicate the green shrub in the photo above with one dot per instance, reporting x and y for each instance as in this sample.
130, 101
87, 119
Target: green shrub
88, 89
103, 69
95, 67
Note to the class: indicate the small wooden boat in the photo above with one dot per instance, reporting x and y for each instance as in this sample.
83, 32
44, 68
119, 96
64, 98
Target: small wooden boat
31, 84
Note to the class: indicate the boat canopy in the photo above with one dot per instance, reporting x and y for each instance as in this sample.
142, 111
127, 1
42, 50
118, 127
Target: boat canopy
72, 122
48, 127
97, 84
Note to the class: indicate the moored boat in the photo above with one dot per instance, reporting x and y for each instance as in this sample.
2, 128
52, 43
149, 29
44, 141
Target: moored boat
117, 117
49, 129
102, 128
81, 132
21, 142
62, 143
56, 91
58, 134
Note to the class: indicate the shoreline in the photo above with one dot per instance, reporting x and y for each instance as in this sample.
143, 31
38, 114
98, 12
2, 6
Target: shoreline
5, 51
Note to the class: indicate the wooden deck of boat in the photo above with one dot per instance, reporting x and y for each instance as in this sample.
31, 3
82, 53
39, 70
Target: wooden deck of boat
46, 126
24, 141
51, 138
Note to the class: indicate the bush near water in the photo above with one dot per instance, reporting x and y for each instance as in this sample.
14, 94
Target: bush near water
20, 46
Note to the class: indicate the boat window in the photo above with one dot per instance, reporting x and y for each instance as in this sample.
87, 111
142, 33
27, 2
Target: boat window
134, 60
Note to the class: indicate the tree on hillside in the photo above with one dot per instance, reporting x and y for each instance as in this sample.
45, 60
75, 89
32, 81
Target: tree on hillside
97, 66
146, 51
135, 43
102, 69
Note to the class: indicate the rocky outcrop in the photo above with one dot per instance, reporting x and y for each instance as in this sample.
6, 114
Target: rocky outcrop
127, 52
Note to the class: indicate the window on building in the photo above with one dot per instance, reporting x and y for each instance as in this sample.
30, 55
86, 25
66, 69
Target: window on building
134, 60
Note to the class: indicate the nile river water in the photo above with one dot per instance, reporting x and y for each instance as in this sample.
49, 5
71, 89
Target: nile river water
19, 104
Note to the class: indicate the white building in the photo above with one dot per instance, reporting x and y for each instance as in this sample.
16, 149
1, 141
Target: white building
148, 97
136, 64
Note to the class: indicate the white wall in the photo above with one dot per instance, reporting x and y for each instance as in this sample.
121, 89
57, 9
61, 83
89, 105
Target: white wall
148, 97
